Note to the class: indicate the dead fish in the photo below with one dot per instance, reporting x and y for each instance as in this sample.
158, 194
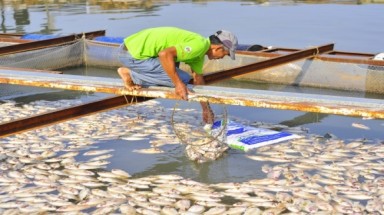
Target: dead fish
73, 208
196, 209
152, 150
97, 152
169, 211
121, 173
361, 126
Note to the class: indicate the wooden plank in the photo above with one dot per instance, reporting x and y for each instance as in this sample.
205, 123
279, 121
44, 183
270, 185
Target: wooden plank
48, 42
65, 114
276, 61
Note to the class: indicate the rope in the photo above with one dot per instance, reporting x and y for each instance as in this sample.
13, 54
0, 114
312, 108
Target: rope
317, 52
133, 99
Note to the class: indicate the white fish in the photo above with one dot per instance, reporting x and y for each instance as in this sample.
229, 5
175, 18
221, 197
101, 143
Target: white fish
257, 158
72, 208
98, 163
183, 204
361, 126
134, 138
121, 173
97, 152
110, 180
196, 209
100, 157
93, 184
127, 209
169, 177
81, 172
146, 211
152, 150
215, 210
108, 174
162, 201
169, 211
204, 198
255, 199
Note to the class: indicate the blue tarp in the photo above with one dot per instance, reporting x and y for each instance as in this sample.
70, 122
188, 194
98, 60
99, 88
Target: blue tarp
37, 37
118, 40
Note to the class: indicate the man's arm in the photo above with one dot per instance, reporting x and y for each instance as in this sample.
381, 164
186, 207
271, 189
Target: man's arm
167, 60
208, 115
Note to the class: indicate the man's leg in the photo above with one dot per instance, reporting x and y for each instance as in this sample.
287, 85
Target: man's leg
145, 73
126, 76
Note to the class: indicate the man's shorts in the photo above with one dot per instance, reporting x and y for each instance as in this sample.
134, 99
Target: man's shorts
148, 72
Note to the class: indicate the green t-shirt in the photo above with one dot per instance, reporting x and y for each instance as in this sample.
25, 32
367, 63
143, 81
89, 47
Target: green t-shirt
191, 47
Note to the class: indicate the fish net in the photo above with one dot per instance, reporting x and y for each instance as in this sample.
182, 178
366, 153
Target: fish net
82, 52
344, 76
202, 143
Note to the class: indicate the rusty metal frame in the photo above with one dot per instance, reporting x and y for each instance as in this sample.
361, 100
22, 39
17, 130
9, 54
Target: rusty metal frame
275, 61
33, 45
332, 56
335, 105
65, 114
257, 98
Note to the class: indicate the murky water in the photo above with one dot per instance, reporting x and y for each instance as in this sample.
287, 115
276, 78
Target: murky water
351, 26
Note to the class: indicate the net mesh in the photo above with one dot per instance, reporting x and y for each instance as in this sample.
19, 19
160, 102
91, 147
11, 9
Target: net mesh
308, 73
49, 58
305, 73
101, 54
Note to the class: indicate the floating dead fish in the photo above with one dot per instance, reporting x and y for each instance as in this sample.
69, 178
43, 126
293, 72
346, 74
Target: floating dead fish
361, 126
152, 150
121, 173
97, 152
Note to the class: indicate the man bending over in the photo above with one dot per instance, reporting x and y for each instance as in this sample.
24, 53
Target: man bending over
151, 57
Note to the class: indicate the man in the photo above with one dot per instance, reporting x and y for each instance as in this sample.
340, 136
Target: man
151, 57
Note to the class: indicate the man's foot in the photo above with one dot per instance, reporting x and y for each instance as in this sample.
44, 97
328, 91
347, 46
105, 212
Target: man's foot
126, 76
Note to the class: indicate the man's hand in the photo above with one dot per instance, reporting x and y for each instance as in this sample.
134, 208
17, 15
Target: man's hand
182, 91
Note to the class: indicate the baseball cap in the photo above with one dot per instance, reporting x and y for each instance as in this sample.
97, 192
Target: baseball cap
229, 40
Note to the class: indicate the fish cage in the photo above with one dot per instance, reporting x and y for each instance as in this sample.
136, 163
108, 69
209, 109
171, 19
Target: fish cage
312, 72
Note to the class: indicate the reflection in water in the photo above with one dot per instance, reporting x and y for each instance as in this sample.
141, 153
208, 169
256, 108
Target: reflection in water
21, 15
49, 27
3, 27
22, 9
304, 119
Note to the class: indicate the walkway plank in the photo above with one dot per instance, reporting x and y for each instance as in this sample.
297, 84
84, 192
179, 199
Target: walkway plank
341, 105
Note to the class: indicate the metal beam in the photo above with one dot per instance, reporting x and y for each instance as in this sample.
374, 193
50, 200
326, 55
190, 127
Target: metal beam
276, 61
339, 105
65, 114
48, 42
333, 56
